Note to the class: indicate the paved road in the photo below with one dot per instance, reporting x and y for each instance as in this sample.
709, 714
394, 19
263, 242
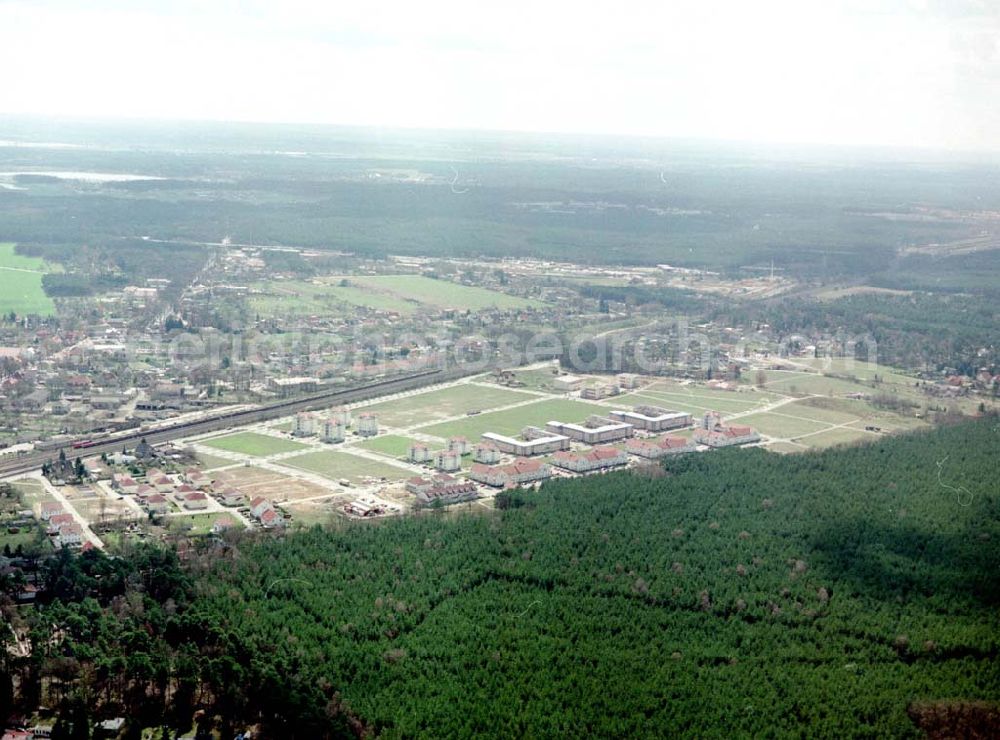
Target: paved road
88, 533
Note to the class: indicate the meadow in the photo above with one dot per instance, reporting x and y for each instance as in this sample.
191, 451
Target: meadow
252, 443
442, 293
335, 465
21, 284
512, 421
436, 405
392, 445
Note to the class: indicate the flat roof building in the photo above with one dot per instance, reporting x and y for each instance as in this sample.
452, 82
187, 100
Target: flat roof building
653, 418
595, 430
534, 442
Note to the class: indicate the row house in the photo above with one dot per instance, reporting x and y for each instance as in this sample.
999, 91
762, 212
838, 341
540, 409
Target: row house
516, 473
599, 458
654, 449
653, 418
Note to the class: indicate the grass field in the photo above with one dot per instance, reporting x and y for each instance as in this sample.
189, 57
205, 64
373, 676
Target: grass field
697, 400
336, 465
199, 524
304, 297
774, 424
805, 383
21, 284
400, 293
422, 408
211, 462
392, 445
441, 293
511, 421
251, 443
843, 435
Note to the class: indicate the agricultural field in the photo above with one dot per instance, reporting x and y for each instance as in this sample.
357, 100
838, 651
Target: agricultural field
252, 443
512, 421
424, 408
441, 293
393, 445
21, 284
334, 464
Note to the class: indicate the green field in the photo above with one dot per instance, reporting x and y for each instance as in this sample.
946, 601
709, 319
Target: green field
372, 299
335, 465
513, 421
400, 293
843, 435
441, 293
392, 445
21, 284
211, 462
198, 524
785, 427
424, 408
251, 443
696, 400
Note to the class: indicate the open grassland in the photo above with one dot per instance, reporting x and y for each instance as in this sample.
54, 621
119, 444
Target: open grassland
775, 424
839, 436
11, 260
437, 405
335, 465
306, 297
251, 443
403, 294
813, 383
695, 400
21, 284
211, 462
441, 293
392, 445
32, 492
860, 370
511, 421
199, 524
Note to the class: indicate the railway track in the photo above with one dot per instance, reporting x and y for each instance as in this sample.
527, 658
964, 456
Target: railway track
225, 420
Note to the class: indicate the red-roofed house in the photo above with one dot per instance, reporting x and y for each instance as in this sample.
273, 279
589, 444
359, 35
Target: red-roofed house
599, 458
195, 500
516, 473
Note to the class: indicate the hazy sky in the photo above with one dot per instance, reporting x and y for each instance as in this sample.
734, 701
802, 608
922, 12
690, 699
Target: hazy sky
902, 72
